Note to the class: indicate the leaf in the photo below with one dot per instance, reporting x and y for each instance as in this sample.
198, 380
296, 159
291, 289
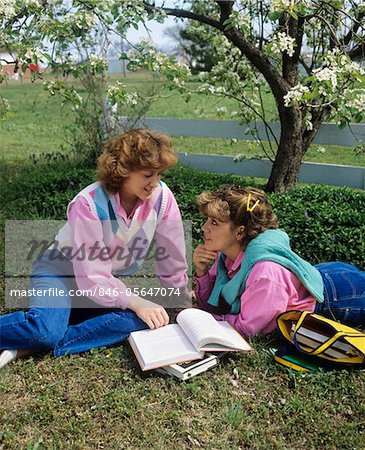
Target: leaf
275, 15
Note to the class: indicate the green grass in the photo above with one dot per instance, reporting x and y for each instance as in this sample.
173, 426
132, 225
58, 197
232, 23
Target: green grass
100, 399
332, 155
37, 124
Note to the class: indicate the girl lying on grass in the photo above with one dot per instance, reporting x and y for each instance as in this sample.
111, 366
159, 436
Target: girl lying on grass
120, 215
256, 276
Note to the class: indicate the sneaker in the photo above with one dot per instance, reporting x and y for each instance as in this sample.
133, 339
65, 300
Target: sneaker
7, 356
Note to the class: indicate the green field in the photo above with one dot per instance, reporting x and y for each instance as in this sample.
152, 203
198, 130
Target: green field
38, 123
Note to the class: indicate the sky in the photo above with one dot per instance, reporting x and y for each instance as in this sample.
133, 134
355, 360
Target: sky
156, 31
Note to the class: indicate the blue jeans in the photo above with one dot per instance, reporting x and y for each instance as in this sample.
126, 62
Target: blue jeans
344, 293
52, 324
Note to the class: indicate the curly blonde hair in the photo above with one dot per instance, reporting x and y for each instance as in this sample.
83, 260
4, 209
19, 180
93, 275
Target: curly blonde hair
247, 206
133, 150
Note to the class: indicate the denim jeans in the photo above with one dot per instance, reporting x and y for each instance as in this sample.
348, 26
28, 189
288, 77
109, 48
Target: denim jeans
52, 324
344, 293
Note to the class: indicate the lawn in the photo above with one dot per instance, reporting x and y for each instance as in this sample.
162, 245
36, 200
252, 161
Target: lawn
40, 124
100, 399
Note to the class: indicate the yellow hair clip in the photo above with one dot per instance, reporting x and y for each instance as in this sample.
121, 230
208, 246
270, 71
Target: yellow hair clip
250, 209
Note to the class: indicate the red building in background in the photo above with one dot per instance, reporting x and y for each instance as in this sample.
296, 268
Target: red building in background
8, 66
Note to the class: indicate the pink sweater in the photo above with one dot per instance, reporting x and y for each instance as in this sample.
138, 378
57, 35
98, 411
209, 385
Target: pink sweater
270, 290
96, 274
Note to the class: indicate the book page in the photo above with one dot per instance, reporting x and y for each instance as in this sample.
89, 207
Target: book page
236, 341
202, 329
163, 346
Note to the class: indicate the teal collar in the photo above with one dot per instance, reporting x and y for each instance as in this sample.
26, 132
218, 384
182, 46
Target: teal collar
271, 245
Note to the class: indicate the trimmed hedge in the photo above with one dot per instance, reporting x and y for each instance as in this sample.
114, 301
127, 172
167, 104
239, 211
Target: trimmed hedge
324, 223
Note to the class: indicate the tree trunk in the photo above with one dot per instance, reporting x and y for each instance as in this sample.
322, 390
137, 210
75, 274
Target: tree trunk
285, 169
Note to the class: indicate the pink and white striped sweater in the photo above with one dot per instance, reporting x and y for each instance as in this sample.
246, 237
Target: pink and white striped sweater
115, 243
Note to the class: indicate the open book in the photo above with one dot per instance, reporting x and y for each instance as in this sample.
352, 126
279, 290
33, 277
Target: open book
196, 332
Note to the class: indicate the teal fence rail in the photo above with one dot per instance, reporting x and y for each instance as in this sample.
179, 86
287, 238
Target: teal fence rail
329, 134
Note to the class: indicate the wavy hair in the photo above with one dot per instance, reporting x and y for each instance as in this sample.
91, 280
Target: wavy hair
133, 150
247, 206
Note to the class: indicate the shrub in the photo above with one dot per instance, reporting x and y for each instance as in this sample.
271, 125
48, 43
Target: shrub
323, 223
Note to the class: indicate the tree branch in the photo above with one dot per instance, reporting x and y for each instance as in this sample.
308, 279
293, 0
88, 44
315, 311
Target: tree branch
305, 66
8, 62
226, 9
256, 57
357, 52
262, 63
354, 29
290, 63
318, 118
186, 15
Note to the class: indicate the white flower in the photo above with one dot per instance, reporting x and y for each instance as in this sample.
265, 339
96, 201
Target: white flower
283, 43
327, 74
358, 103
287, 5
112, 91
30, 54
95, 60
131, 98
78, 99
240, 19
308, 123
5, 104
295, 95
80, 19
36, 3
7, 8
221, 110
178, 82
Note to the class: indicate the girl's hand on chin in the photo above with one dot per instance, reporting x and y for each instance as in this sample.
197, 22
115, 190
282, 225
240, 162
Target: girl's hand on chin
202, 259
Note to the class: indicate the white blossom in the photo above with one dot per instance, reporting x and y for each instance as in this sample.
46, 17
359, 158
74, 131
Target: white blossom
283, 43
36, 3
81, 19
5, 104
327, 74
287, 5
95, 60
33, 53
7, 8
78, 99
308, 122
240, 19
295, 95
221, 111
178, 82
131, 98
282, 5
358, 103
112, 91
